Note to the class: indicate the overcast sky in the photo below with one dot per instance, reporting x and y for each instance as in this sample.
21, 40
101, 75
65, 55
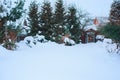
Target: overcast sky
94, 7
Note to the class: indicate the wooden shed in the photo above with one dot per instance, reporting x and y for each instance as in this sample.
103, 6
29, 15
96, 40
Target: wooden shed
89, 36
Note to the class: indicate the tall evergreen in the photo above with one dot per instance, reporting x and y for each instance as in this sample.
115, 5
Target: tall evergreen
2, 17
115, 13
17, 11
9, 17
46, 18
34, 19
59, 20
59, 12
10, 13
73, 24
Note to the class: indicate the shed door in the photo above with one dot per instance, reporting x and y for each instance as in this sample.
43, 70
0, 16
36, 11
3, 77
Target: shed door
90, 37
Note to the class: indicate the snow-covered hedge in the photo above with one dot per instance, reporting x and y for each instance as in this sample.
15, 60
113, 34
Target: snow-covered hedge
33, 40
69, 41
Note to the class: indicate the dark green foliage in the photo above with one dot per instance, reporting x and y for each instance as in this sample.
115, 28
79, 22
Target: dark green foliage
34, 21
10, 45
59, 15
115, 13
58, 24
112, 31
9, 16
17, 11
59, 21
73, 24
1, 34
2, 22
46, 18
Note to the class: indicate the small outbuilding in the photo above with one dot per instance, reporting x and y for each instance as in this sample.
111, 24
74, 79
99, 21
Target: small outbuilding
89, 34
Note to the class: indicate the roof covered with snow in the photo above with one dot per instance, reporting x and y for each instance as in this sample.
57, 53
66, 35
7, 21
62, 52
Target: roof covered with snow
93, 27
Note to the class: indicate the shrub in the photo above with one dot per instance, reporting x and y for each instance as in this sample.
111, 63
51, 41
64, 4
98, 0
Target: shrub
9, 44
112, 31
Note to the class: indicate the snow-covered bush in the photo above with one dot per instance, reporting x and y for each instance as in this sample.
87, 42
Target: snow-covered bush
29, 41
33, 40
112, 29
9, 44
40, 38
108, 41
99, 37
68, 41
111, 46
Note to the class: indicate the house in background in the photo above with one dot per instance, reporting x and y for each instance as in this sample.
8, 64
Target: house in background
90, 33
100, 21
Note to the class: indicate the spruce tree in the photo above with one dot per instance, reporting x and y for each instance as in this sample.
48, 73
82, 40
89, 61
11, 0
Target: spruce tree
11, 12
34, 18
9, 15
73, 24
2, 29
46, 18
115, 13
59, 20
59, 12
17, 11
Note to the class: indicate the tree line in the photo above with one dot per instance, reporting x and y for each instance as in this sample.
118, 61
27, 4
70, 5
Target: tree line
43, 19
54, 24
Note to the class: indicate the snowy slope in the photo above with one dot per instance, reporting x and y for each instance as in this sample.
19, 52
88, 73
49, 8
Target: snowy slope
51, 61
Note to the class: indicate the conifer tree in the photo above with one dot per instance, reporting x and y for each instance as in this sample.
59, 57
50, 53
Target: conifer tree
17, 11
10, 14
34, 18
73, 24
59, 20
2, 29
46, 18
115, 13
59, 12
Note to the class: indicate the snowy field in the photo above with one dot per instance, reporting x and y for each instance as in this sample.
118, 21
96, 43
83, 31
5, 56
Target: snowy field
51, 61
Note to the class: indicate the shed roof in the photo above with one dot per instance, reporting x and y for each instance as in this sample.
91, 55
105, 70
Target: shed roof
93, 27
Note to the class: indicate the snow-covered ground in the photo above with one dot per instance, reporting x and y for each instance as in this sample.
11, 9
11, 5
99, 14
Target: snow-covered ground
51, 61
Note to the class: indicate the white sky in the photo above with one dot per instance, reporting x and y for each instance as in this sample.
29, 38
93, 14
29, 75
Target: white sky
94, 7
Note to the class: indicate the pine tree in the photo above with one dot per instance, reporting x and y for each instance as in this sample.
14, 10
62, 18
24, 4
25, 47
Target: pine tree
59, 12
34, 18
9, 21
59, 20
73, 24
46, 18
1, 22
9, 15
115, 13
17, 11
